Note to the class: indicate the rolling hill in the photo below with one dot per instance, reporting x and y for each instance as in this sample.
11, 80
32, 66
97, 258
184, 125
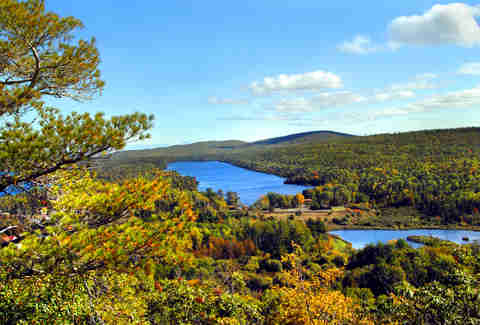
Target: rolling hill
314, 136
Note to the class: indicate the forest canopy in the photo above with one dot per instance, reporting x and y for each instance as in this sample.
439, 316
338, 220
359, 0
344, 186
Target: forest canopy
140, 245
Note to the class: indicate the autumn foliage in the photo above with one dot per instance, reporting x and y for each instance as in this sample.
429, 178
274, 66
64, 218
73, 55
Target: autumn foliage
145, 246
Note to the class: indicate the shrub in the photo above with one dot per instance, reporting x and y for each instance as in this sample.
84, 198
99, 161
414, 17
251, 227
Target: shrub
257, 282
271, 265
338, 260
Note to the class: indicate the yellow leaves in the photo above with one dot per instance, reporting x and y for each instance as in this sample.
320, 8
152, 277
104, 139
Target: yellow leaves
90, 196
311, 302
329, 276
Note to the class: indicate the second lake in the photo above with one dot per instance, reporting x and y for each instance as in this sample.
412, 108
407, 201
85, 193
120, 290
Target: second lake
249, 185
361, 238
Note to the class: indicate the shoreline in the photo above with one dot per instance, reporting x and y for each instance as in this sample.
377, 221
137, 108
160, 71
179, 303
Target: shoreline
330, 226
419, 227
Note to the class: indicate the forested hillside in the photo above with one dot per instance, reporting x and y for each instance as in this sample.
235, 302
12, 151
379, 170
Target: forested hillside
304, 137
134, 244
435, 172
154, 250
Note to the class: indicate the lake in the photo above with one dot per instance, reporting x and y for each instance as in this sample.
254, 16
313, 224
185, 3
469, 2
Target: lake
361, 238
249, 185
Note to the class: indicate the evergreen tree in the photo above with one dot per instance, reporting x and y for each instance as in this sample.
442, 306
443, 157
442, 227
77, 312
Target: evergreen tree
40, 57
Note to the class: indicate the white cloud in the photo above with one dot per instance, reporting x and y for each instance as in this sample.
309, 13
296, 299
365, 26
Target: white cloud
405, 90
422, 81
452, 23
318, 102
443, 24
388, 112
471, 68
413, 85
315, 80
426, 76
386, 96
458, 99
294, 105
359, 45
467, 98
226, 101
261, 116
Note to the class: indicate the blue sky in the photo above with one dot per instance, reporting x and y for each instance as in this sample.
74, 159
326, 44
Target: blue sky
248, 70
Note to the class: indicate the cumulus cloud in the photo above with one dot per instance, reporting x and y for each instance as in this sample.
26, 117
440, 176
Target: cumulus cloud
343, 98
443, 24
471, 68
226, 101
315, 80
359, 45
452, 23
318, 102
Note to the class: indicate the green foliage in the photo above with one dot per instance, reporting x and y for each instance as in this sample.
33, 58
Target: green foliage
275, 237
436, 173
232, 199
146, 247
317, 227
271, 265
39, 57
433, 304
133, 251
176, 302
279, 201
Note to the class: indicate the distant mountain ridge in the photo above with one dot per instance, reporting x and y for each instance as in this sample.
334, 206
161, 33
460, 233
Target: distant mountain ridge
208, 150
282, 155
303, 137
207, 146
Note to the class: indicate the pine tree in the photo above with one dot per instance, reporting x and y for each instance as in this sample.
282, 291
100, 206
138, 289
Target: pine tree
40, 58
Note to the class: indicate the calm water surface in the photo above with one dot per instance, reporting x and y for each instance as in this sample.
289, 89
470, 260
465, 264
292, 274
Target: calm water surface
248, 184
361, 238
251, 185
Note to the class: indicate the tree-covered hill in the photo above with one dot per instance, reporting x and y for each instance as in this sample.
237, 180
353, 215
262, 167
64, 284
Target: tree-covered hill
435, 171
139, 245
211, 149
314, 136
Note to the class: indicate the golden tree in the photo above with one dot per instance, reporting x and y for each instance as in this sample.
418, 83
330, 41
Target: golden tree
310, 301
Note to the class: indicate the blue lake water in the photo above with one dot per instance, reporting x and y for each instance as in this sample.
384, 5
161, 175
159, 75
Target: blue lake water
11, 190
361, 238
249, 185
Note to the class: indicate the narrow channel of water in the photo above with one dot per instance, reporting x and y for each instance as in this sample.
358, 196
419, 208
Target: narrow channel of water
249, 185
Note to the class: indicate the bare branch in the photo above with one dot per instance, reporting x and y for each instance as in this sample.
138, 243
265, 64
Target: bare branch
15, 82
7, 229
37, 66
